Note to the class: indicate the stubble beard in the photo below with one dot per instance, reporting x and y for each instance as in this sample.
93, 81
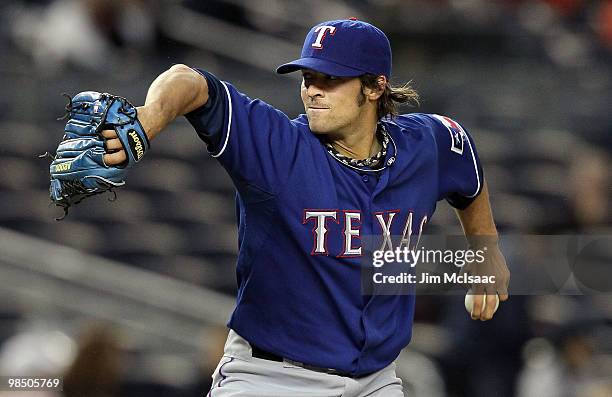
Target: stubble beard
361, 100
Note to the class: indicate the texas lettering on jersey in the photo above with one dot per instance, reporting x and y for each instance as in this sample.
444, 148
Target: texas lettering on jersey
352, 232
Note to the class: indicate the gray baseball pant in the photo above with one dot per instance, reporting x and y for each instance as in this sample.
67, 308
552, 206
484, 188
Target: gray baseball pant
241, 374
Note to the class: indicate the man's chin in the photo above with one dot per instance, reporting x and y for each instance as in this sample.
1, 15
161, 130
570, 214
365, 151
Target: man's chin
317, 129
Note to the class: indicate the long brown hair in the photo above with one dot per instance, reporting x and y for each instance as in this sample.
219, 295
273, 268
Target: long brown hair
392, 97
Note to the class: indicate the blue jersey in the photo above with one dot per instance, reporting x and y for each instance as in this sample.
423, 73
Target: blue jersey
302, 214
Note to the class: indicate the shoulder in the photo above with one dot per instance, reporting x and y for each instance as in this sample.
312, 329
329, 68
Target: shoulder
415, 122
409, 120
412, 126
423, 121
437, 126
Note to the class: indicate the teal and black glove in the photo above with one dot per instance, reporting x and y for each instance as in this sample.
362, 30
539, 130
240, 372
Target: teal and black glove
78, 170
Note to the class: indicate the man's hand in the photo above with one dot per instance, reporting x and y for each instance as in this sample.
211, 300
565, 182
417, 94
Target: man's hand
114, 151
493, 265
480, 231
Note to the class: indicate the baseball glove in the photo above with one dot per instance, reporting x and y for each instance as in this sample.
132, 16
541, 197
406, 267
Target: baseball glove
78, 170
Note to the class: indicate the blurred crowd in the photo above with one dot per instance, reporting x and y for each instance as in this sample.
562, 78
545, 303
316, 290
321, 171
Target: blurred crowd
531, 80
98, 361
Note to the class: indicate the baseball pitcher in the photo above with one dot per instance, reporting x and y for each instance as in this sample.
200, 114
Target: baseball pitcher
307, 190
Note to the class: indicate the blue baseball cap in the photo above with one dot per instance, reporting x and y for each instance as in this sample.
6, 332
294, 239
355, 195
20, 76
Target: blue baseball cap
344, 48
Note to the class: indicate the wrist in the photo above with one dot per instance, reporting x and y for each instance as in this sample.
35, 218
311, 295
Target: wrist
482, 240
150, 118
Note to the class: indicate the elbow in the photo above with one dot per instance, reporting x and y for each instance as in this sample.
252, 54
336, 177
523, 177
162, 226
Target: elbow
181, 68
194, 79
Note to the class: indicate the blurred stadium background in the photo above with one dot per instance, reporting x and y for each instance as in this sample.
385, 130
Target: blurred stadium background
131, 297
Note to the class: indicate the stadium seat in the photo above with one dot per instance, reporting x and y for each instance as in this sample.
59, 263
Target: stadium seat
128, 205
159, 174
26, 139
213, 239
144, 238
20, 173
194, 207
79, 235
27, 204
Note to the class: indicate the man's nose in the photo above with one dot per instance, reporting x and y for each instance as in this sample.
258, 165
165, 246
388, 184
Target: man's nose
312, 90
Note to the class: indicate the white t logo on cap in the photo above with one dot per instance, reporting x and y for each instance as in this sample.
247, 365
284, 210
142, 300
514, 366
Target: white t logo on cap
322, 30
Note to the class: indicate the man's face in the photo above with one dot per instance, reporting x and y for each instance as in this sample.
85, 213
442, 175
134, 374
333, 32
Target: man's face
332, 104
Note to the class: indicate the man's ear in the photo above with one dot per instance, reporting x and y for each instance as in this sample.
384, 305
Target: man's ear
375, 93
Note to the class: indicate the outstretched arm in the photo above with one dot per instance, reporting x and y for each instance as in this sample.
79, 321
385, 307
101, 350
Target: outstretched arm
479, 228
177, 91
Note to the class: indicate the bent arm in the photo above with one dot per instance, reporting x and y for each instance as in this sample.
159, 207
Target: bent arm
477, 219
481, 233
177, 91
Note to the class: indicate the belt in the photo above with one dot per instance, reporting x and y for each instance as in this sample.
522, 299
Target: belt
265, 355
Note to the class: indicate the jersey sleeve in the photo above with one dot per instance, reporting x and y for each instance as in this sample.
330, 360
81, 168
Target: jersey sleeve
460, 172
252, 140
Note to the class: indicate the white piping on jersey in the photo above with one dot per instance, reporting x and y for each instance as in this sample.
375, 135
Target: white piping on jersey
229, 123
475, 168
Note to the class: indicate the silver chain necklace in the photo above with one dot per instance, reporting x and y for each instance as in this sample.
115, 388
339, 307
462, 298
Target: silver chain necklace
371, 164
